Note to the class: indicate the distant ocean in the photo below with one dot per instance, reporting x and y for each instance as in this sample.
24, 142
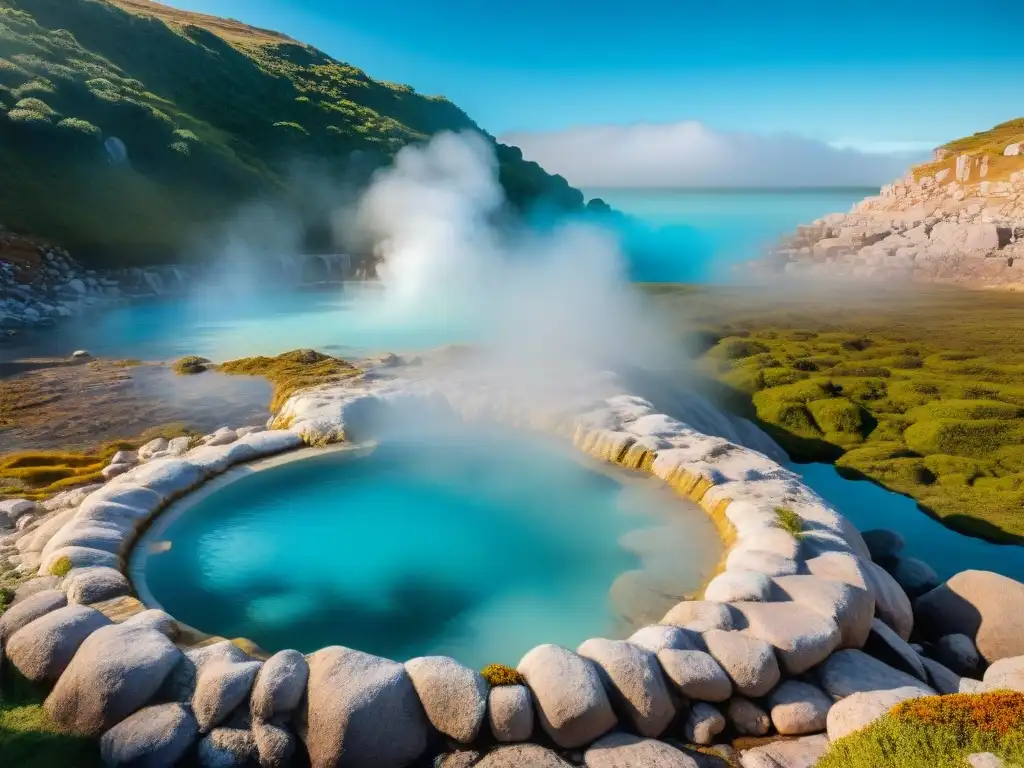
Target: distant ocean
696, 235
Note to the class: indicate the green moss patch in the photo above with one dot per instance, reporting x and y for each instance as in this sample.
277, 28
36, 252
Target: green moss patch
40, 474
190, 365
920, 392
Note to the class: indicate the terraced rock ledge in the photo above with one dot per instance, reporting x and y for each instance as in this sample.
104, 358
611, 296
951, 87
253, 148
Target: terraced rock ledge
803, 633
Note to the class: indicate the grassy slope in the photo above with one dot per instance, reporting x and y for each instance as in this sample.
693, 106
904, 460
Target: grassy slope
990, 144
212, 113
920, 392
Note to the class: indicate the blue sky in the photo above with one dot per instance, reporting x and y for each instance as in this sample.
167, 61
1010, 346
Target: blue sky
871, 74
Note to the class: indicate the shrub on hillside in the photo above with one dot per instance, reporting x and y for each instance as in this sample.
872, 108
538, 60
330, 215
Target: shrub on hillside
28, 117
36, 105
78, 125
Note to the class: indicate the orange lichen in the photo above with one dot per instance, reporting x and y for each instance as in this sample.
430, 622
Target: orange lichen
1000, 712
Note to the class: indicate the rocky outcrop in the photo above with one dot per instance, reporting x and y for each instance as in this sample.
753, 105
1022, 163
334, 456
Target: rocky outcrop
966, 229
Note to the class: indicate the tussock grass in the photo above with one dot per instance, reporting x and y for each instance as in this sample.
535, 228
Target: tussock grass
789, 521
190, 365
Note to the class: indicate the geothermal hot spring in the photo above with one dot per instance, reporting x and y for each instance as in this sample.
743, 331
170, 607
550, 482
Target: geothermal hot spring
473, 544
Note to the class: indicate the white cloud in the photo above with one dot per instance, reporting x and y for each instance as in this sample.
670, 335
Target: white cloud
690, 154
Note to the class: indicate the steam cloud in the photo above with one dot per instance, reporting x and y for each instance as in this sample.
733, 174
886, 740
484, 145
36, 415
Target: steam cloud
533, 299
691, 154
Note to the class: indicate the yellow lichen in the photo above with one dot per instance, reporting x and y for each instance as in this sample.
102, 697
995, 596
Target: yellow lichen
501, 674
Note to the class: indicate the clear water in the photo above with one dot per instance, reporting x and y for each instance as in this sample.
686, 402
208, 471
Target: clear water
678, 236
478, 547
868, 506
698, 235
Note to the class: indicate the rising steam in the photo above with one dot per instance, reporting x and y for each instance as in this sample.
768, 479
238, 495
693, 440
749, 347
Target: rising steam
536, 299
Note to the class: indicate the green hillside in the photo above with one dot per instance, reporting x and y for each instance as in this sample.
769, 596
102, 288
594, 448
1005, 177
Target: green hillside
212, 113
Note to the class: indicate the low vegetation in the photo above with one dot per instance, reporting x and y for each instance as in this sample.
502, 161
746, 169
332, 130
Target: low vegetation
40, 474
921, 392
190, 365
988, 144
790, 522
937, 731
27, 737
208, 114
61, 567
501, 674
291, 371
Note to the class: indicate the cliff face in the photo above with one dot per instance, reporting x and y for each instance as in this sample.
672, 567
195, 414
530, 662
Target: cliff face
959, 218
127, 127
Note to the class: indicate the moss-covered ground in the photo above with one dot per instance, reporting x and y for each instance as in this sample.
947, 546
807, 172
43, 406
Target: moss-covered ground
937, 732
40, 474
291, 371
920, 391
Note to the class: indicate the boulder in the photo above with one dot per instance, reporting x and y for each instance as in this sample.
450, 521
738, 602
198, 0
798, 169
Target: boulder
1006, 674
798, 708
696, 674
801, 636
34, 586
181, 683
154, 619
635, 683
847, 672
851, 607
42, 649
959, 653
984, 606
114, 673
12, 509
701, 615
89, 534
453, 696
703, 723
220, 688
22, 613
279, 685
885, 645
510, 713
946, 681
94, 585
658, 637
522, 756
860, 710
985, 760
749, 662
361, 710
155, 445
747, 718
891, 603
567, 689
153, 737
166, 476
883, 544
624, 750
227, 748
733, 585
275, 745
796, 753
79, 557
915, 576
1012, 150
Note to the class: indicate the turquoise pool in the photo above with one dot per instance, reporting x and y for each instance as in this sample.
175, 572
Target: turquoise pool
475, 546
